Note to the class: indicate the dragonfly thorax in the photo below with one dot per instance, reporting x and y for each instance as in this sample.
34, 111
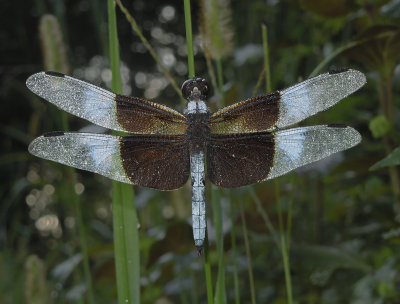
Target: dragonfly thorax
198, 130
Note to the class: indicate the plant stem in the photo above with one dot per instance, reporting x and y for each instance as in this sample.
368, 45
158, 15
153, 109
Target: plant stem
220, 79
284, 247
207, 271
126, 236
289, 215
265, 216
220, 296
189, 37
248, 255
233, 241
266, 58
82, 237
284, 237
146, 43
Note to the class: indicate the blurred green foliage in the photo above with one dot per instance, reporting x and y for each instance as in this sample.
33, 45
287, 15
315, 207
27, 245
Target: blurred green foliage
344, 243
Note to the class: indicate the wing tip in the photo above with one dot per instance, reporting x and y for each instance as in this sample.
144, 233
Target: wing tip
354, 137
32, 80
40, 144
351, 80
355, 77
35, 146
359, 77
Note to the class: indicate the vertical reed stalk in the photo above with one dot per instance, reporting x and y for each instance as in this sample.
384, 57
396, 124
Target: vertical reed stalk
284, 235
248, 255
233, 241
146, 43
268, 86
266, 219
189, 38
284, 247
220, 295
220, 79
207, 271
126, 236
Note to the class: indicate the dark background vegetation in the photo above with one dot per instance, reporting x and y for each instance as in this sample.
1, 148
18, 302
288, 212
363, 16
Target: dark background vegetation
344, 245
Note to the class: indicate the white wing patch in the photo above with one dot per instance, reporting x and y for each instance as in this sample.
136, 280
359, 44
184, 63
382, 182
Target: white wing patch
300, 146
317, 94
77, 97
96, 153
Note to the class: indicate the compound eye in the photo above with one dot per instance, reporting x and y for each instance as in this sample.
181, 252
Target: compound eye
202, 91
204, 88
186, 88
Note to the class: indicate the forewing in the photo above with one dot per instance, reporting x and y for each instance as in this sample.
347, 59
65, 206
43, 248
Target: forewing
104, 108
287, 107
160, 162
238, 160
252, 115
317, 94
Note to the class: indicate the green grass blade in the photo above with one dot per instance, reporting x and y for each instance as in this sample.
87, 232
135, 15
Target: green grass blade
335, 53
126, 236
391, 160
220, 79
126, 244
148, 46
82, 238
233, 241
114, 48
284, 237
265, 217
290, 214
248, 255
207, 271
189, 38
284, 247
268, 86
220, 294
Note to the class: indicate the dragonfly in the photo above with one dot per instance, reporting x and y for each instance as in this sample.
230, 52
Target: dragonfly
238, 145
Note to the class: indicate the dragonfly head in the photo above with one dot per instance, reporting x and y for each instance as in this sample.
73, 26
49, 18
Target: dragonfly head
195, 89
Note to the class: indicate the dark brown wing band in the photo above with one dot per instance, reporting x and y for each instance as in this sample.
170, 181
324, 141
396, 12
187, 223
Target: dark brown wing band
239, 160
160, 162
257, 114
141, 116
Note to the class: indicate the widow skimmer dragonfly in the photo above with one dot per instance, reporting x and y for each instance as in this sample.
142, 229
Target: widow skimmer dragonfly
241, 144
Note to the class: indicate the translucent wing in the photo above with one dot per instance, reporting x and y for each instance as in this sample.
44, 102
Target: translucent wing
300, 146
287, 107
238, 160
104, 108
160, 162
317, 94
